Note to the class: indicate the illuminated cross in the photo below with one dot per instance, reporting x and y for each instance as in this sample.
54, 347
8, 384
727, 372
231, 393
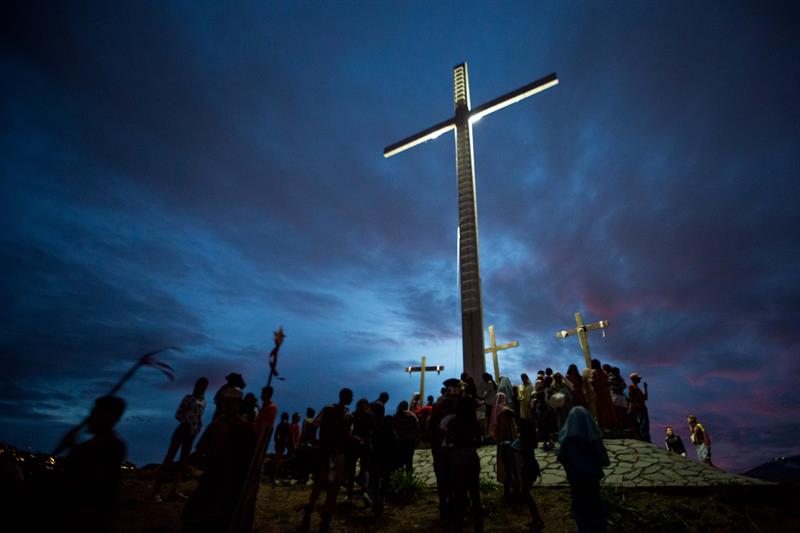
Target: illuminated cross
494, 348
581, 330
422, 369
469, 268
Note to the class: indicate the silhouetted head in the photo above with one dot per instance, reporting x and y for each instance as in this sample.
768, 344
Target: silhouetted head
383, 397
230, 401
295, 418
310, 412
668, 431
345, 396
284, 417
615, 371
606, 368
200, 387
464, 376
573, 371
362, 405
596, 364
525, 379
691, 419
235, 380
266, 394
635, 377
430, 400
105, 414
558, 378
250, 399
548, 371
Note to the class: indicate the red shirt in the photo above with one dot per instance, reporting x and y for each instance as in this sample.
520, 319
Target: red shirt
266, 417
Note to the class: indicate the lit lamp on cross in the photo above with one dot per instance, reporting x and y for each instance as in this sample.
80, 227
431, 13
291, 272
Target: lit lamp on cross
422, 369
580, 330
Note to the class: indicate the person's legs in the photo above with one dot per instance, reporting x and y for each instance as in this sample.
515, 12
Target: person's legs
175, 442
587, 506
536, 518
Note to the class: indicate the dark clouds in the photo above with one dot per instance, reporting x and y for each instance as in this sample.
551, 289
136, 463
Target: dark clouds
196, 175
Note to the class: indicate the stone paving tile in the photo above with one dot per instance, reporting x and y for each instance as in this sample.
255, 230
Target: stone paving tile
633, 464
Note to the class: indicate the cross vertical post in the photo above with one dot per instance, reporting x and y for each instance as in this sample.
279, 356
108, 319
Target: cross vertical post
494, 348
469, 265
580, 330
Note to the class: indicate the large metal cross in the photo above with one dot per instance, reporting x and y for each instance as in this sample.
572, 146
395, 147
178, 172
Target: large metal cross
494, 348
470, 280
422, 369
580, 330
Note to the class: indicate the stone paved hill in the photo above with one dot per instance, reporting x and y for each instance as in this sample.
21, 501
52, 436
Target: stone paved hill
633, 464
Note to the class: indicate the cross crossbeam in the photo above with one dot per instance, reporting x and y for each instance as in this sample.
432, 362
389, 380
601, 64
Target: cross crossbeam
422, 369
494, 348
580, 330
469, 265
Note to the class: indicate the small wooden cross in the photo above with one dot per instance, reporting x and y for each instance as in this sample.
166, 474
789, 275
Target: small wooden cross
422, 369
494, 348
581, 330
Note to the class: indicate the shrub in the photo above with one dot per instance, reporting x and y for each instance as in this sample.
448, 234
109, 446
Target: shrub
404, 487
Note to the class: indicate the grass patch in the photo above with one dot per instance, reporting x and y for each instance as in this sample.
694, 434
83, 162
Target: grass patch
404, 487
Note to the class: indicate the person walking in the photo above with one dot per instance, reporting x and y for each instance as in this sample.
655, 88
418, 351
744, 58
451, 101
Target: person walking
583, 457
334, 424
701, 440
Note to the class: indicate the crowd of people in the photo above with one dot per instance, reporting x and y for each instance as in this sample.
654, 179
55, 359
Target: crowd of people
359, 450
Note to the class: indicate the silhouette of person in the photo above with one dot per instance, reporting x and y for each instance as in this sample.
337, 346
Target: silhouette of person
407, 427
464, 437
637, 404
226, 449
232, 381
190, 421
530, 470
334, 435
92, 469
583, 456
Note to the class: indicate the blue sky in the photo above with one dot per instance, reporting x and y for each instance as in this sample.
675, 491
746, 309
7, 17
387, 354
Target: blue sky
196, 174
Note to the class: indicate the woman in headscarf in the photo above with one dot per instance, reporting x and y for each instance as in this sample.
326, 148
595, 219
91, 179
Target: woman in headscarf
505, 387
576, 382
606, 416
588, 389
504, 431
560, 405
526, 398
583, 457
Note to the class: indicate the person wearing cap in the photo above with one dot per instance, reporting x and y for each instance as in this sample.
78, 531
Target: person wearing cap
637, 407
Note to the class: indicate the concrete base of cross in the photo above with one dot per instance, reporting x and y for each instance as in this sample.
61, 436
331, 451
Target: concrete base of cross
633, 464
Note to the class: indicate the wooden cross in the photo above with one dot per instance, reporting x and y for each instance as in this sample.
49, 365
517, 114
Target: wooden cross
581, 330
494, 348
422, 369
469, 269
